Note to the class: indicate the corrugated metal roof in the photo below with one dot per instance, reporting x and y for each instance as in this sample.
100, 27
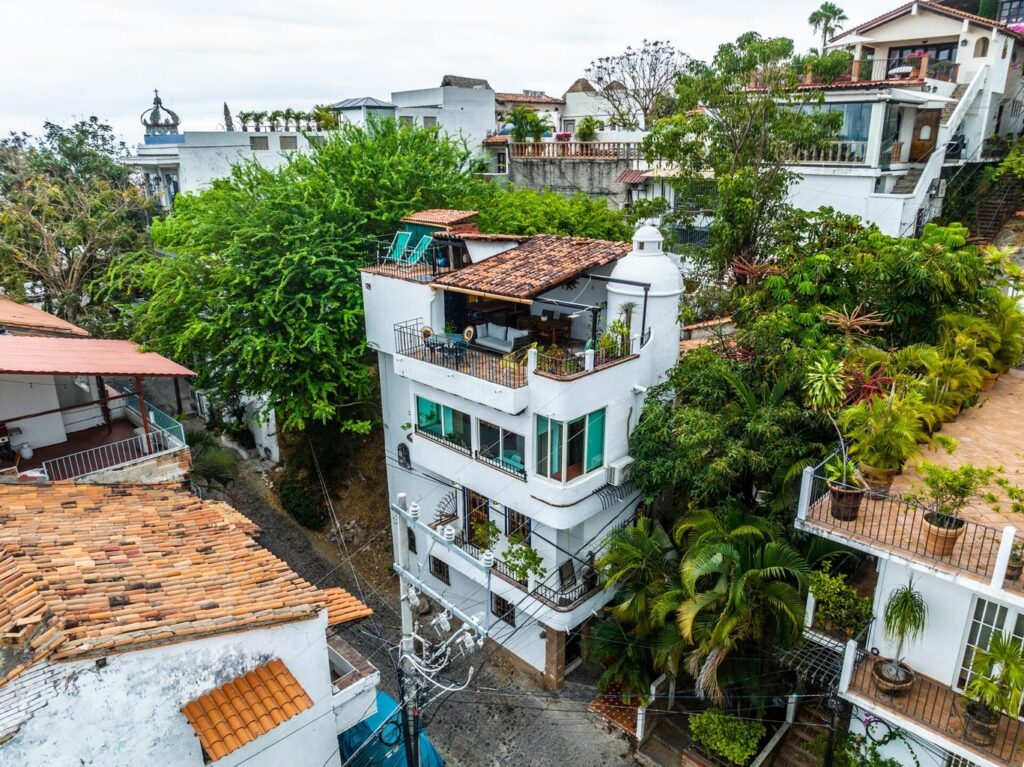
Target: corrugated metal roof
29, 319
365, 101
40, 355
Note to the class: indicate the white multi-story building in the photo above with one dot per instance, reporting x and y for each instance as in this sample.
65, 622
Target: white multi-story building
461, 106
142, 625
506, 401
967, 589
171, 162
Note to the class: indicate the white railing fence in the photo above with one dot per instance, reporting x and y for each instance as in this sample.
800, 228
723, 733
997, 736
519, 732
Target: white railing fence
115, 454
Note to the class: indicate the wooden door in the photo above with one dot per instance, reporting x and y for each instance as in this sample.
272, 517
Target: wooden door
926, 134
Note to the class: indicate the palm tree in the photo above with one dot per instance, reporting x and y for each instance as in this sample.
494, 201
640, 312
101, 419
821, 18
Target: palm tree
738, 596
640, 562
828, 20
522, 119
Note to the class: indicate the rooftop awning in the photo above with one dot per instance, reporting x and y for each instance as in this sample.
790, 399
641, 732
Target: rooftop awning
38, 355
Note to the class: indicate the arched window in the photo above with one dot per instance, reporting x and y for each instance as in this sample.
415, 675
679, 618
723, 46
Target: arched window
981, 48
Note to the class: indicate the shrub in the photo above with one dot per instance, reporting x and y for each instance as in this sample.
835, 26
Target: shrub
838, 606
299, 501
726, 735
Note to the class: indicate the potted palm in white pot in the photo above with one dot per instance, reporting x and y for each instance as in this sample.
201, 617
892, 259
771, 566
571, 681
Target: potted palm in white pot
902, 622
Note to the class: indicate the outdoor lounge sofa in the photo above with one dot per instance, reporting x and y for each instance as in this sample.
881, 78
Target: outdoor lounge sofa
499, 338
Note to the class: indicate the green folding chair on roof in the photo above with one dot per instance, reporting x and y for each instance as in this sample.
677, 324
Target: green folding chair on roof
398, 245
417, 252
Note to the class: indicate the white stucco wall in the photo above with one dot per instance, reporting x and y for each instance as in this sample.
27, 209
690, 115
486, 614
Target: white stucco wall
128, 712
208, 155
465, 112
23, 395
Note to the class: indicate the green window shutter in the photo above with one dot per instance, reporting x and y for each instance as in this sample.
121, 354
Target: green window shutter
595, 440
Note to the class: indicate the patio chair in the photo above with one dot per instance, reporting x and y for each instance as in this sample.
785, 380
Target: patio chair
398, 245
416, 255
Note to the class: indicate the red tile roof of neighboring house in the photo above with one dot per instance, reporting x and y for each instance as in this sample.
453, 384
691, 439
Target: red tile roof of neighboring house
630, 176
93, 569
538, 264
523, 98
944, 10
495, 140
26, 355
251, 705
28, 320
439, 216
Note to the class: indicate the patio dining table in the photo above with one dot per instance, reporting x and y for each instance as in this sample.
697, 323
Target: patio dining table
448, 345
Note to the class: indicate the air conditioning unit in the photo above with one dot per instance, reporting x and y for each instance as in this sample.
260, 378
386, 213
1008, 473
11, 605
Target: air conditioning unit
618, 471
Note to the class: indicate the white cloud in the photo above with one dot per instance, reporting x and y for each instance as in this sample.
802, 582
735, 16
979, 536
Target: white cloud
64, 59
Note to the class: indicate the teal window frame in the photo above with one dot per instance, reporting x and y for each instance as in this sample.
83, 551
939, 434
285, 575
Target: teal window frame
562, 446
444, 422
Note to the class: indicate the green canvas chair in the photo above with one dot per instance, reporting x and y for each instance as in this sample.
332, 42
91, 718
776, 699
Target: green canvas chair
398, 245
417, 252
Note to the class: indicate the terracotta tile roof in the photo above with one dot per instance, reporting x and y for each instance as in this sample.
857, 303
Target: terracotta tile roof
523, 98
439, 216
236, 713
28, 320
630, 176
87, 568
342, 607
537, 265
496, 140
944, 10
24, 355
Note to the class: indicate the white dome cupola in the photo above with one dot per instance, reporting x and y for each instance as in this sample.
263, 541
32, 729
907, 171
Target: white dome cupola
647, 283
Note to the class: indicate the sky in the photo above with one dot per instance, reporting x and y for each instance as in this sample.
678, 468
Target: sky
63, 60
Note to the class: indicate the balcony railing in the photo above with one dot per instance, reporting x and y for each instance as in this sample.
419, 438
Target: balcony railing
114, 454
560, 596
842, 152
455, 354
434, 261
897, 524
941, 709
501, 465
456, 445
575, 150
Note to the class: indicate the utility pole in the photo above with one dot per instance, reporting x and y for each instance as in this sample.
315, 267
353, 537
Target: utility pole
409, 698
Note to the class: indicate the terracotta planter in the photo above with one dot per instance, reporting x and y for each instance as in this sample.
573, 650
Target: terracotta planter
980, 724
1013, 570
988, 381
845, 501
940, 539
884, 682
878, 480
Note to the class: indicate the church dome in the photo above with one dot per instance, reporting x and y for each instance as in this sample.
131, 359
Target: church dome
158, 119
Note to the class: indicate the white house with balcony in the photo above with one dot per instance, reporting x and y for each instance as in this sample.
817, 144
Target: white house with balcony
513, 370
969, 591
61, 419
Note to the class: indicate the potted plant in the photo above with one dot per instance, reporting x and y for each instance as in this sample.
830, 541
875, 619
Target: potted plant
523, 561
886, 431
825, 387
1016, 563
903, 621
587, 128
997, 680
838, 608
944, 494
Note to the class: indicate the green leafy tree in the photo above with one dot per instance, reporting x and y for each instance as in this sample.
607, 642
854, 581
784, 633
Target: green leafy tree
263, 291
827, 19
67, 211
526, 211
742, 116
636, 85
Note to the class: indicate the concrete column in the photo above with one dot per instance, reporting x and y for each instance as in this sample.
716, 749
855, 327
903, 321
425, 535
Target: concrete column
847, 673
806, 481
1003, 557
554, 659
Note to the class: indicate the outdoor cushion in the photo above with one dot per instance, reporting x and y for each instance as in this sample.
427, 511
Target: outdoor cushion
513, 334
496, 331
496, 344
481, 331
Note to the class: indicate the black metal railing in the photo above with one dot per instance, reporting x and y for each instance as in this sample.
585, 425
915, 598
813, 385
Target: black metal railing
430, 263
898, 523
505, 466
500, 568
941, 709
454, 444
455, 354
573, 364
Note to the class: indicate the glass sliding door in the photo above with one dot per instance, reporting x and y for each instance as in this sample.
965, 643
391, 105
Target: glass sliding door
569, 450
